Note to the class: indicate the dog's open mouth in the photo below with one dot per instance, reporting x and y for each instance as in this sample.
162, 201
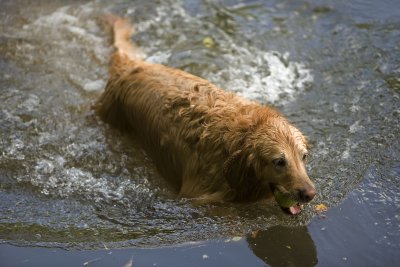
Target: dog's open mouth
293, 210
286, 201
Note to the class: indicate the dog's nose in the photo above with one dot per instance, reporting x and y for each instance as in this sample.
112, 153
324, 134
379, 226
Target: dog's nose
307, 194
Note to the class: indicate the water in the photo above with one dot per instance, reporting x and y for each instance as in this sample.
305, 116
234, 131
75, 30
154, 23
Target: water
69, 181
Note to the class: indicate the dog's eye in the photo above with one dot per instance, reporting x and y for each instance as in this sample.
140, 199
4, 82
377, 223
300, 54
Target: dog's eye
305, 157
280, 162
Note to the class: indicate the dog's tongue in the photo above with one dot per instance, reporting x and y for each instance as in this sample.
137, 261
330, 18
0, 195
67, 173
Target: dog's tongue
294, 210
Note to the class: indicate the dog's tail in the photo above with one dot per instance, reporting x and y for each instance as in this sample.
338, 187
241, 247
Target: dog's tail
126, 52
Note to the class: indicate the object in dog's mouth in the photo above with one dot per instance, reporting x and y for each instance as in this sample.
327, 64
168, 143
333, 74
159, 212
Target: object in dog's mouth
286, 202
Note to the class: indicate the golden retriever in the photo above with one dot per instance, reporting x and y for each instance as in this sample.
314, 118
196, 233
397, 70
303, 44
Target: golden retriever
212, 145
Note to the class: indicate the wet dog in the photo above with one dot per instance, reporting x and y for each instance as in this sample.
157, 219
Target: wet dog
212, 145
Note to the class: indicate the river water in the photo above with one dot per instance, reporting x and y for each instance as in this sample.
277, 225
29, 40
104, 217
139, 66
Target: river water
67, 181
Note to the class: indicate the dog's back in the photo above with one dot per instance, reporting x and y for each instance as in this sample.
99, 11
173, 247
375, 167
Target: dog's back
166, 109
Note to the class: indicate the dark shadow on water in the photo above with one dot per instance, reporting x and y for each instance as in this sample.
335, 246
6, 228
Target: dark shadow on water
284, 246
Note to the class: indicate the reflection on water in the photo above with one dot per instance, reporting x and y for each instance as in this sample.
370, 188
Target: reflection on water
70, 181
283, 246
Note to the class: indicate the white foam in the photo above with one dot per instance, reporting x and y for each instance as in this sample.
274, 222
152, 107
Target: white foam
268, 78
55, 179
355, 127
31, 103
159, 57
263, 75
59, 17
346, 154
96, 85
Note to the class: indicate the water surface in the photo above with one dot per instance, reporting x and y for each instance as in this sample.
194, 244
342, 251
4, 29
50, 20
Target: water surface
69, 181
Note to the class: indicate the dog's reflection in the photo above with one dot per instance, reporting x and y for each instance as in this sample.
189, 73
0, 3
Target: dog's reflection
284, 246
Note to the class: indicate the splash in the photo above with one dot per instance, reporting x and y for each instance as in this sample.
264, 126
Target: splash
266, 76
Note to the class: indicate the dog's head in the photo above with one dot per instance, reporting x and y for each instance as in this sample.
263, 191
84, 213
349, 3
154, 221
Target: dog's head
271, 162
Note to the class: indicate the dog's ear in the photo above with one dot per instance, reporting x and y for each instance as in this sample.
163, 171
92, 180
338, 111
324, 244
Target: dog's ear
239, 174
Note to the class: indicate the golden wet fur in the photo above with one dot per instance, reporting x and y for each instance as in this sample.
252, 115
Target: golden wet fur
210, 144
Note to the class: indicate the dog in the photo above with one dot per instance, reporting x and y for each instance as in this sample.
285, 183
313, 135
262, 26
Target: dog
210, 144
